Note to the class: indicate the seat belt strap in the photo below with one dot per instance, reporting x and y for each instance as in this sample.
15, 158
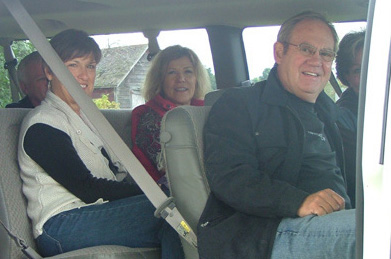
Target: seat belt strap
103, 128
335, 85
28, 251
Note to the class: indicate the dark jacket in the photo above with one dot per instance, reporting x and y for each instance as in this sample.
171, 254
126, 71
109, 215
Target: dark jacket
347, 124
24, 103
349, 100
253, 144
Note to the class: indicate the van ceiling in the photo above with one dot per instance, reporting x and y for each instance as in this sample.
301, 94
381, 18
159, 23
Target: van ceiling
118, 16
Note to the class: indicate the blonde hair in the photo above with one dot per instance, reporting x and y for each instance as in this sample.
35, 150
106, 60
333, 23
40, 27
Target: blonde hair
154, 80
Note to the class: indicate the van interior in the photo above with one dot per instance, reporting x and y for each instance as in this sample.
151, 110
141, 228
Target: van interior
224, 21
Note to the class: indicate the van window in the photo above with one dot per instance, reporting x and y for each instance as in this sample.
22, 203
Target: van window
121, 72
258, 43
128, 53
124, 64
195, 39
20, 48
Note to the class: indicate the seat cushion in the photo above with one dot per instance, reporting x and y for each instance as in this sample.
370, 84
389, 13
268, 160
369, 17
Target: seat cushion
182, 152
117, 252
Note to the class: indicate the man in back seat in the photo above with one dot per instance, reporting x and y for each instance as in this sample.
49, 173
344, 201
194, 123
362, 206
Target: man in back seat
274, 161
32, 82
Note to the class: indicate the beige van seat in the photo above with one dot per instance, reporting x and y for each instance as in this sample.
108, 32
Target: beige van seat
182, 152
13, 203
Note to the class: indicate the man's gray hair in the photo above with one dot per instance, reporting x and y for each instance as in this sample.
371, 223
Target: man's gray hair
284, 35
33, 57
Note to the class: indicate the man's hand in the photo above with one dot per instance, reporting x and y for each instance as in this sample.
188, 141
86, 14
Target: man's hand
321, 203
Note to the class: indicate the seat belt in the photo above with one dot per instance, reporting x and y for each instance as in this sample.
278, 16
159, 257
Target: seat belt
335, 85
27, 251
165, 207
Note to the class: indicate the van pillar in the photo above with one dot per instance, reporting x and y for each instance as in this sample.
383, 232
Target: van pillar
10, 65
153, 45
229, 57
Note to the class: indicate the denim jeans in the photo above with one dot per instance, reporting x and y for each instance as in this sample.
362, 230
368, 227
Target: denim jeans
127, 222
314, 237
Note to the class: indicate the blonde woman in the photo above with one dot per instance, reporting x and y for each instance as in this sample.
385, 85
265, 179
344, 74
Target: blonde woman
176, 77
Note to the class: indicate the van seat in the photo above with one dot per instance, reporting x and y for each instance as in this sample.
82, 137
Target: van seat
182, 151
13, 203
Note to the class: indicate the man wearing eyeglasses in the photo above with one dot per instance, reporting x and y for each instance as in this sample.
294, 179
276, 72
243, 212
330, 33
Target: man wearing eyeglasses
274, 158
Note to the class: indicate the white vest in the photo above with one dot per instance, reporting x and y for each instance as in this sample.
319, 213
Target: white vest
45, 196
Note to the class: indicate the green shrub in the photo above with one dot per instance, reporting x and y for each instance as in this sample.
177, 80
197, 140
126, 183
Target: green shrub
104, 102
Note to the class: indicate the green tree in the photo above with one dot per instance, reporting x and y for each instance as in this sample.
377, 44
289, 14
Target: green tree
329, 90
212, 79
264, 75
21, 49
5, 93
105, 103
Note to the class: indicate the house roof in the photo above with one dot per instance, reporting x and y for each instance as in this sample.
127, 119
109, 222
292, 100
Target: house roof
116, 63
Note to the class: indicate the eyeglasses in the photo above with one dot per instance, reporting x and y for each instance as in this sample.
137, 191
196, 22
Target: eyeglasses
308, 50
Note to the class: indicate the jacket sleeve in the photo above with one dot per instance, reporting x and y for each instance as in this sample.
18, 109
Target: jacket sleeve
52, 149
232, 166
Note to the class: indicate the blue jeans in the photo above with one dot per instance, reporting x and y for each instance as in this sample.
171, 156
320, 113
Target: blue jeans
314, 237
127, 222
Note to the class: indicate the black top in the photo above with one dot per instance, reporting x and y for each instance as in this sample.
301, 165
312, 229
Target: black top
24, 103
347, 124
53, 150
349, 100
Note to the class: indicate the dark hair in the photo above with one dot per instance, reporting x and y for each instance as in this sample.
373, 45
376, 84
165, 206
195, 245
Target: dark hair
156, 74
349, 46
73, 43
285, 33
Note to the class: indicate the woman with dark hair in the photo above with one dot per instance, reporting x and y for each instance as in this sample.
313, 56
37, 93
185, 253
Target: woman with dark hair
176, 77
348, 65
69, 176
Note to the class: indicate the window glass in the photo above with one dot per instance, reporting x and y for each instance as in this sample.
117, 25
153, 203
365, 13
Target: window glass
258, 43
21, 49
124, 64
195, 39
